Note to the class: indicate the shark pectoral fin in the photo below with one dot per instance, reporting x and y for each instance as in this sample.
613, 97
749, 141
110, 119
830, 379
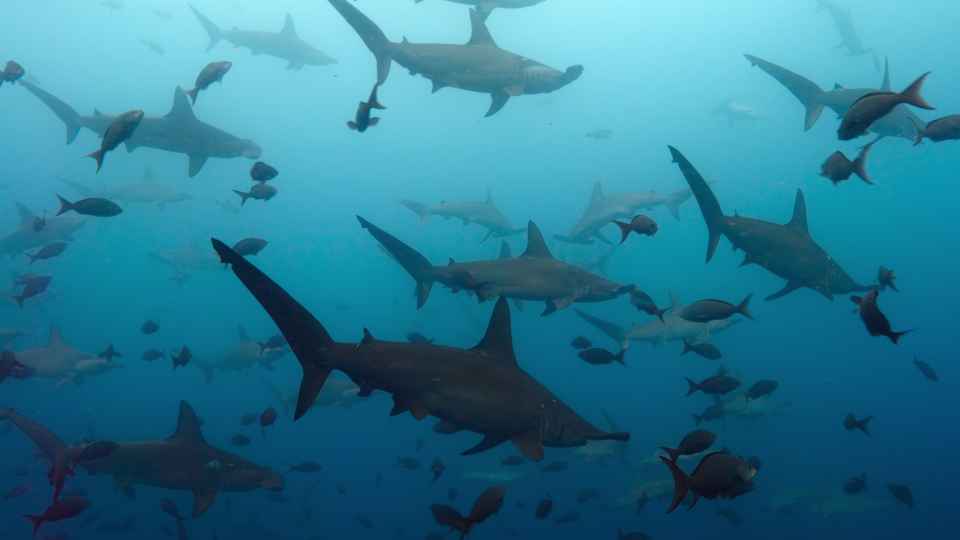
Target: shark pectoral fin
787, 289
202, 499
266, 365
498, 100
437, 85
518, 302
751, 259
704, 337
489, 441
515, 89
485, 238
196, 163
558, 303
529, 444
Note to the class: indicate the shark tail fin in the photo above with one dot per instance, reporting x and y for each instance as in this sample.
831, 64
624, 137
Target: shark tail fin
413, 262
680, 483
372, 36
419, 209
308, 339
709, 206
911, 96
212, 30
860, 164
63, 111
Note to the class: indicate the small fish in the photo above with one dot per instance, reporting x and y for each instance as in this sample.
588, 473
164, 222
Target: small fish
161, 13
642, 501
248, 419
213, 72
180, 278
92, 516
902, 494
11, 72
718, 384
249, 247
639, 224
341, 307
129, 492
113, 4
39, 224
408, 463
521, 505
437, 469
228, 504
153, 354
150, 327
268, 417
364, 120
855, 485
556, 466
305, 467
33, 287
939, 130
711, 413
852, 423
183, 359
885, 277
717, 475
838, 168
875, 105
10, 367
227, 206
705, 350
261, 172
875, 321
601, 356
240, 440
569, 517
19, 472
109, 354
715, 310
342, 490
260, 192
49, 251
60, 510
731, 514
106, 526
644, 303
924, 368
90, 207
119, 130
600, 134
586, 494
512, 461
367, 524
421, 442
694, 443
762, 388
377, 478
488, 503
18, 491
417, 337
164, 530
128, 524
452, 493
581, 343
155, 47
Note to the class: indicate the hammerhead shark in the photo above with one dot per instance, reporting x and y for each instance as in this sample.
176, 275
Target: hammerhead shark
189, 257
478, 66
844, 23
605, 208
244, 357
9, 334
335, 393
483, 213
283, 44
787, 251
482, 389
178, 131
146, 191
57, 360
485, 7
900, 122
673, 328
535, 275
26, 236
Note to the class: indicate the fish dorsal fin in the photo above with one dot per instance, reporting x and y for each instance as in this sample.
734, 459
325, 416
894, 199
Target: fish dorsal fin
836, 86
56, 338
675, 304
597, 192
148, 175
181, 109
489, 197
244, 338
885, 87
505, 250
188, 427
799, 220
536, 247
26, 216
480, 36
497, 343
288, 28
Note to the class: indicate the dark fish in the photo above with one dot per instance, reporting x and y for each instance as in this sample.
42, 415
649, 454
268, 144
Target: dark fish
644, 303
150, 327
694, 443
762, 388
520, 505
18, 491
364, 120
544, 507
408, 463
341, 307
569, 517
155, 47
240, 440
452, 493
713, 412
342, 490
109, 354
39, 224
705, 350
248, 419
164, 530
718, 384
885, 277
717, 475
417, 337
214, 72
268, 417
601, 356
180, 278
153, 354
128, 524
852, 423
305, 467
639, 224
260, 191
902, 494
119, 130
488, 503
61, 510
11, 72
600, 134
642, 501
715, 310
556, 466
170, 508
924, 368
755, 461
855, 485
581, 343
838, 168
875, 105
939, 130
8, 365
261, 172
731, 514
228, 504
437, 469
183, 359
48, 251
249, 246
512, 461
876, 322
32, 288
275, 342
367, 524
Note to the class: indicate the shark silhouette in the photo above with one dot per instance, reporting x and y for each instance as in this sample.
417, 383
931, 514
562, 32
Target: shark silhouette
485, 7
482, 389
24, 237
483, 213
146, 191
244, 357
57, 360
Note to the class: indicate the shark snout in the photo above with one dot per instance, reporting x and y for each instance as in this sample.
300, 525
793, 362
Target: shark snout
252, 151
273, 481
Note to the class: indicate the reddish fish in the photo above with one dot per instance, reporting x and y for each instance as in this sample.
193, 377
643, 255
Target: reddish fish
544, 507
902, 494
718, 384
640, 224
268, 417
876, 322
488, 504
852, 423
875, 105
65, 509
717, 475
694, 443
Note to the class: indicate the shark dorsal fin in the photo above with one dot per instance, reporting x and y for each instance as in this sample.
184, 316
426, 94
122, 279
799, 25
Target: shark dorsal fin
244, 338
26, 216
799, 219
288, 28
597, 192
148, 175
188, 427
181, 109
505, 250
489, 197
885, 87
56, 338
536, 247
836, 86
480, 35
497, 343
675, 304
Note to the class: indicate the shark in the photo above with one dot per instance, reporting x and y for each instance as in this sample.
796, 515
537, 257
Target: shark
483, 389
605, 208
479, 66
283, 44
598, 264
483, 213
244, 357
901, 122
58, 360
485, 7
495, 473
24, 237
844, 23
9, 334
787, 251
835, 502
146, 191
188, 258
650, 476
736, 112
790, 497
178, 131
739, 406
335, 393
535, 275
673, 328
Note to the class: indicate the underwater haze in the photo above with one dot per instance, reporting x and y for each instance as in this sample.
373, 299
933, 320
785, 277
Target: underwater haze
533, 126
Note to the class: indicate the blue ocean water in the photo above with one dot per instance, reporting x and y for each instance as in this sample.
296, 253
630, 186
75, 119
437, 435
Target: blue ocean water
653, 72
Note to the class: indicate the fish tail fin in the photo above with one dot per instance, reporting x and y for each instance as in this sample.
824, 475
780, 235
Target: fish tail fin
97, 155
659, 313
863, 482
32, 258
911, 95
709, 206
63, 111
862, 425
619, 357
920, 132
65, 205
413, 262
370, 33
680, 483
243, 196
419, 209
308, 339
674, 453
744, 307
212, 30
895, 336
37, 521
860, 164
624, 230
693, 386
192, 93
686, 347
697, 418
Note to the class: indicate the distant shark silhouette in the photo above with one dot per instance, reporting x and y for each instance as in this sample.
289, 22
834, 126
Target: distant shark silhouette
485, 7
146, 191
844, 23
178, 131
483, 213
24, 237
57, 360
482, 389
188, 258
243, 357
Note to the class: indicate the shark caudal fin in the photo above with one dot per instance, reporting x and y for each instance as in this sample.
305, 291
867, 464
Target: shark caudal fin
807, 91
307, 338
212, 30
413, 262
370, 33
63, 111
419, 209
680, 484
675, 199
615, 332
709, 206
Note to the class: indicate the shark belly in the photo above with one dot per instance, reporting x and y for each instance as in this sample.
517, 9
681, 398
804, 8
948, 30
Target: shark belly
477, 69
